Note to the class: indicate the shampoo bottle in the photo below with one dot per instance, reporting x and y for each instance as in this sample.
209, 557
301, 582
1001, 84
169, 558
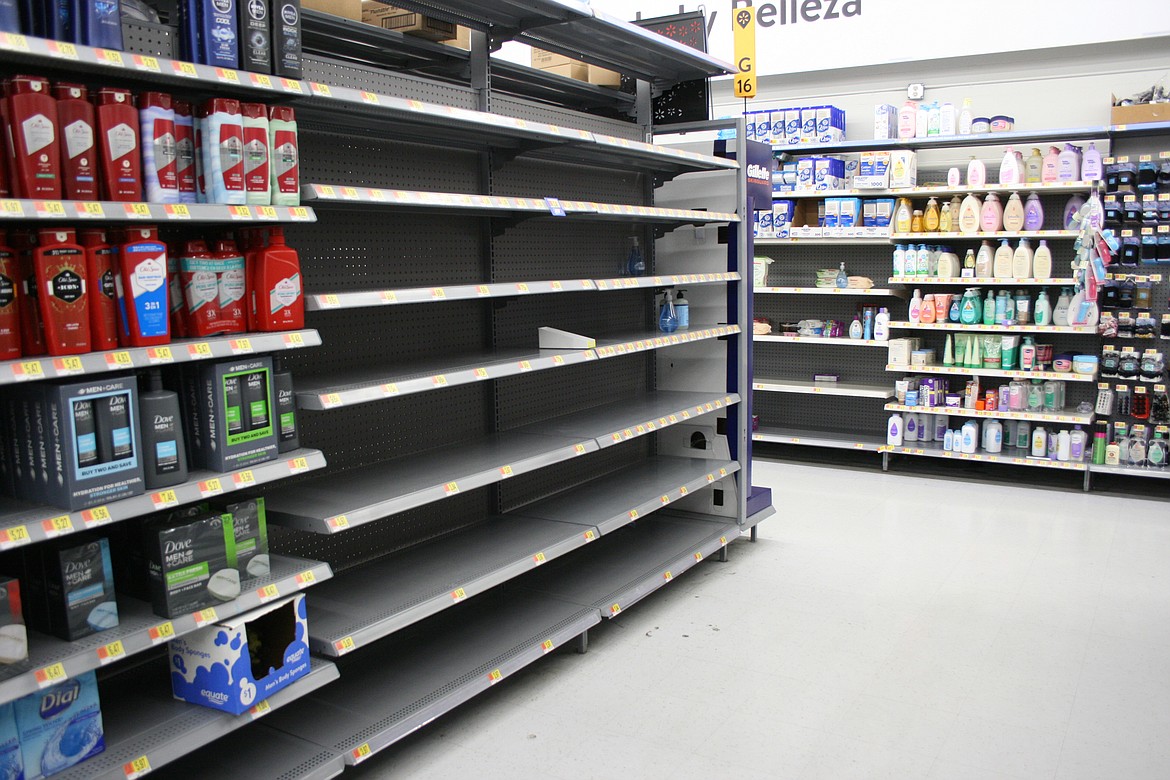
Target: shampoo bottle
984, 266
930, 217
946, 219
922, 121
163, 448
927, 311
159, 147
79, 160
1033, 213
1022, 260
9, 302
900, 260
1042, 261
223, 151
61, 272
216, 31
276, 283
102, 293
934, 119
117, 125
31, 116
903, 216
1004, 258
286, 407
916, 307
257, 182
144, 314
98, 23
1051, 171
1034, 167
969, 310
1013, 214
1091, 168
976, 173
991, 217
285, 156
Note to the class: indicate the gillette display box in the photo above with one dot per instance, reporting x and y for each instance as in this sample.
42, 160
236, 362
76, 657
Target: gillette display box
873, 172
261, 651
60, 726
229, 407
11, 762
69, 587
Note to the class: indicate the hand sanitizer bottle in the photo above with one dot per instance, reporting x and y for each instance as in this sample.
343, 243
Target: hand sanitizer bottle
635, 261
668, 316
842, 278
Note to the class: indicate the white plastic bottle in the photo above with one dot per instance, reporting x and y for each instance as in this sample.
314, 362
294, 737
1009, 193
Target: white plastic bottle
969, 214
1043, 313
934, 119
991, 216
949, 441
1004, 258
984, 261
1034, 167
900, 260
1013, 214
1064, 446
1078, 439
1009, 168
907, 120
1060, 311
894, 430
1039, 442
223, 151
916, 307
966, 117
925, 427
993, 436
922, 260
1022, 260
881, 325
1042, 261
910, 428
159, 150
976, 173
682, 310
948, 123
922, 121
1068, 164
970, 437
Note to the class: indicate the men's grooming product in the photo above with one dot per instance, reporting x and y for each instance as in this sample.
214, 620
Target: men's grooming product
190, 560
250, 534
222, 129
285, 156
257, 182
143, 311
233, 287
255, 35
13, 634
11, 760
60, 726
10, 16
216, 32
286, 408
286, 39
79, 156
102, 290
159, 147
69, 588
9, 300
61, 271
185, 169
164, 453
31, 119
117, 126
230, 418
93, 457
98, 23
278, 300
199, 279
175, 294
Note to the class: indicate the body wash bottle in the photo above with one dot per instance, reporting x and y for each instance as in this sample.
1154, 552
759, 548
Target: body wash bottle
1068, 164
1042, 261
1050, 173
1013, 214
991, 216
1004, 257
1091, 169
163, 448
1022, 260
1033, 213
1034, 167
984, 261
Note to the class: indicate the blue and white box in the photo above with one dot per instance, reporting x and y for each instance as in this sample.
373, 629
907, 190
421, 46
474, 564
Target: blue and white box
792, 126
832, 217
764, 220
828, 174
776, 121
808, 125
850, 213
873, 172
11, 762
885, 122
764, 127
782, 214
214, 666
804, 174
749, 119
830, 125
60, 726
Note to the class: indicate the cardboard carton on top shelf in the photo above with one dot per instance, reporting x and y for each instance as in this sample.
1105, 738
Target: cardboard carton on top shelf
393, 18
574, 69
349, 9
1139, 114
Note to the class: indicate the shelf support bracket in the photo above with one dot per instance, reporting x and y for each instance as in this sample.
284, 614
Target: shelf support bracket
581, 643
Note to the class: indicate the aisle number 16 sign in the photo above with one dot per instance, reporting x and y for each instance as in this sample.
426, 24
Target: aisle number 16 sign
743, 22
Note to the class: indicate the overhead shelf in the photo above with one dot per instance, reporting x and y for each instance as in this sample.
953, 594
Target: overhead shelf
340, 501
917, 280
139, 629
673, 280
106, 211
495, 205
1049, 234
1067, 376
828, 439
412, 677
625, 567
1013, 137
821, 241
928, 191
959, 326
339, 389
282, 756
460, 292
815, 340
846, 291
23, 523
178, 351
654, 339
1066, 416
144, 723
1130, 471
807, 386
935, 450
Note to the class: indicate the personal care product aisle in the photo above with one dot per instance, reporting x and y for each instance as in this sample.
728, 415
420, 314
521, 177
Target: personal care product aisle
994, 288
482, 409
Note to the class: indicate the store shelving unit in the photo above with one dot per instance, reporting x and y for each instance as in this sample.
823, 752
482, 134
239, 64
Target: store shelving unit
1008, 234
935, 450
822, 340
831, 440
117, 213
1066, 416
938, 190
809, 387
875, 291
1066, 376
913, 281
980, 328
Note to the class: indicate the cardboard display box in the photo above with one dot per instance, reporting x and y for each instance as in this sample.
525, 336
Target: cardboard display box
392, 18
264, 650
1139, 114
462, 39
574, 69
350, 9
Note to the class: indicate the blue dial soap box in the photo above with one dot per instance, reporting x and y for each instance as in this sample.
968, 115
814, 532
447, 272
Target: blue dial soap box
239, 662
60, 726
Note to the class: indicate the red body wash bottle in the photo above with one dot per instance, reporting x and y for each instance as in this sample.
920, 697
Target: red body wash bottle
121, 156
9, 302
32, 337
276, 279
32, 138
103, 292
79, 162
60, 265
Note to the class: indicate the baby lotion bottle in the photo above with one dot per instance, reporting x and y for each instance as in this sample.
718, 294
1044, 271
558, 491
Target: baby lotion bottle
907, 120
1033, 213
930, 217
976, 173
969, 215
1022, 260
948, 120
966, 117
1034, 167
1009, 168
922, 121
903, 216
1068, 164
991, 216
1004, 258
1091, 169
984, 261
1050, 172
1042, 261
916, 307
946, 219
1013, 214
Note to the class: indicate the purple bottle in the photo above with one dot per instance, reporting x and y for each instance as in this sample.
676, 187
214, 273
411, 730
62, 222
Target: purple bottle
1033, 213
1071, 209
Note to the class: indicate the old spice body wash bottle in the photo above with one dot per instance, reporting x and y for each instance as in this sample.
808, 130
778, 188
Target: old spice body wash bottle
61, 272
79, 162
32, 138
121, 157
103, 293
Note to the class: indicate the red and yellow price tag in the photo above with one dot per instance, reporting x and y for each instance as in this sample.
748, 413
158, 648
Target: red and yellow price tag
244, 479
49, 675
297, 465
241, 346
306, 578
362, 752
539, 558
205, 616
451, 488
494, 676
136, 768
267, 593
163, 632
343, 646
259, 710
56, 526
458, 595
338, 523
99, 515
210, 487
111, 652
547, 646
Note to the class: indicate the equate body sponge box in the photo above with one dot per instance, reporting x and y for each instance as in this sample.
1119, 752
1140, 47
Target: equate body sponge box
11, 762
237, 663
60, 726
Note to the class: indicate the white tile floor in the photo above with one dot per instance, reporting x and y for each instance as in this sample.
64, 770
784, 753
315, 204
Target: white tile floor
883, 627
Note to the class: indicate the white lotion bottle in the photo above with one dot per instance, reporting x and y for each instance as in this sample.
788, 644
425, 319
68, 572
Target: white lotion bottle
976, 173
993, 436
1042, 261
916, 307
1022, 260
1004, 258
894, 431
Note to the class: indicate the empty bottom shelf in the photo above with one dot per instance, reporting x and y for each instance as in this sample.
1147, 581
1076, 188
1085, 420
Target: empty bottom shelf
808, 438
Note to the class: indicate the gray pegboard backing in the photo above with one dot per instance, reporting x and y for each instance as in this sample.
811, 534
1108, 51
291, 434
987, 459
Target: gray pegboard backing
535, 485
562, 249
347, 74
541, 179
358, 161
353, 250
542, 112
362, 339
401, 427
799, 361
594, 315
530, 398
797, 265
830, 413
371, 541
158, 40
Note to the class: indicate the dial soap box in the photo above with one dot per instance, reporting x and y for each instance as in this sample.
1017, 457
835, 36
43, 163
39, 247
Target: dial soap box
60, 726
239, 662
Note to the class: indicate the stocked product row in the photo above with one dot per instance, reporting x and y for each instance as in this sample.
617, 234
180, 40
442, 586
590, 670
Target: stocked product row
69, 292
108, 144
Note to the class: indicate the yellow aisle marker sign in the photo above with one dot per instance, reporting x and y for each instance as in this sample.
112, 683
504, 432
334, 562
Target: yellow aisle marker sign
743, 23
